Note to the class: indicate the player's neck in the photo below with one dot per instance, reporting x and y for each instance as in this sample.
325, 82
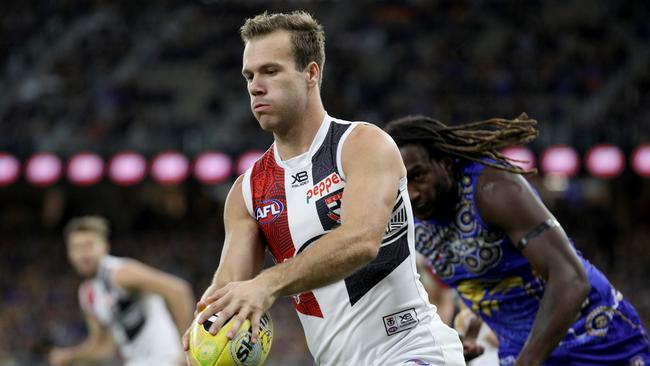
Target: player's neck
89, 275
298, 138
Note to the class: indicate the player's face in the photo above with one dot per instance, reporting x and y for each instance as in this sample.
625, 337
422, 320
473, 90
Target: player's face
429, 181
277, 90
85, 249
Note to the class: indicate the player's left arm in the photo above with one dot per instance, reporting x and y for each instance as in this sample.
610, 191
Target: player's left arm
177, 293
373, 169
506, 200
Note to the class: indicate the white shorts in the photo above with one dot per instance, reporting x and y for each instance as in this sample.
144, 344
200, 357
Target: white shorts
432, 343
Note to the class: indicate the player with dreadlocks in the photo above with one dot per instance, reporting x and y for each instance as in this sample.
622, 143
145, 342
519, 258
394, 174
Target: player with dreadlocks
488, 235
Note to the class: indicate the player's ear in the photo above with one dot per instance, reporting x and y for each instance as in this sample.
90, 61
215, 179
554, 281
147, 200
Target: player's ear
313, 74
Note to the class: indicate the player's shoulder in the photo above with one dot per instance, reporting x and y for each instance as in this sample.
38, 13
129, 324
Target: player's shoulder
110, 265
240, 186
107, 266
357, 134
110, 261
239, 201
119, 268
497, 184
501, 195
367, 128
367, 136
238, 182
369, 148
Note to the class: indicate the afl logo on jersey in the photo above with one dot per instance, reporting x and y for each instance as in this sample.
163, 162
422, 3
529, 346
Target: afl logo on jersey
268, 211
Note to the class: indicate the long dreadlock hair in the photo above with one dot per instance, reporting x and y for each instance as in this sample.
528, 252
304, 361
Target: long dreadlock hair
477, 141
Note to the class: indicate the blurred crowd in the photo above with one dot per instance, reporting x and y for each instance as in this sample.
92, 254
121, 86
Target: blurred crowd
110, 75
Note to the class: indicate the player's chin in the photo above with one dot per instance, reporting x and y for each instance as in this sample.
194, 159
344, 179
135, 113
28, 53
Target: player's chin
423, 212
267, 122
83, 269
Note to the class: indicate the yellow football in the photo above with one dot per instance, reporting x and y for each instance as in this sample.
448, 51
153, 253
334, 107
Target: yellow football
216, 350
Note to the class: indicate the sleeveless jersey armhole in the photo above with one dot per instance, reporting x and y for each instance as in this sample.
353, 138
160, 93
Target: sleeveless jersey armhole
246, 191
339, 148
108, 270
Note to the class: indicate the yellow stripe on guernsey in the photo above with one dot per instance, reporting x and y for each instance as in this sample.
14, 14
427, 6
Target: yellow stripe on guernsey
476, 291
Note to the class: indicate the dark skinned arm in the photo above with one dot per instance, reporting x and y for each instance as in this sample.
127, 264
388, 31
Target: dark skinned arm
468, 326
505, 200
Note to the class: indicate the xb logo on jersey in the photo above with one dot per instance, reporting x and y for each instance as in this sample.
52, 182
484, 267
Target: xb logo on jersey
268, 211
299, 179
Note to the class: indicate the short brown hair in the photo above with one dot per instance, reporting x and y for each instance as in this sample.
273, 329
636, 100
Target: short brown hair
96, 224
307, 35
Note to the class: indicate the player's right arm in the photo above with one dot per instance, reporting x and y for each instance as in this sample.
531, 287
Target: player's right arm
242, 256
98, 346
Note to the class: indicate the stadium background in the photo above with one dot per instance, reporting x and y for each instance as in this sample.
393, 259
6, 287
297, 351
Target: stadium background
154, 76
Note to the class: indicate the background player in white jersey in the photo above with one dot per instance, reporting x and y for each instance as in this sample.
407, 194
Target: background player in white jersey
126, 303
355, 287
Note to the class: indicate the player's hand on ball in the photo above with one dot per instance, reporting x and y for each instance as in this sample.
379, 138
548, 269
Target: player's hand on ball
206, 349
200, 305
239, 300
203, 302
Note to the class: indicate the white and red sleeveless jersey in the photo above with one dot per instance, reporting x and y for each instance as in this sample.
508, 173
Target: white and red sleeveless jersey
377, 309
140, 324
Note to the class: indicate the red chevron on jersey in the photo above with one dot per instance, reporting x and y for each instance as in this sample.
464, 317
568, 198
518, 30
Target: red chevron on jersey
307, 304
270, 208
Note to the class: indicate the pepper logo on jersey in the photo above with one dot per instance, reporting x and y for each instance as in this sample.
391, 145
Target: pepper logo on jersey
268, 211
329, 184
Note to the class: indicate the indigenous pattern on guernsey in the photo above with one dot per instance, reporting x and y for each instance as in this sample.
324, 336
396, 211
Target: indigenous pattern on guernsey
496, 281
297, 201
